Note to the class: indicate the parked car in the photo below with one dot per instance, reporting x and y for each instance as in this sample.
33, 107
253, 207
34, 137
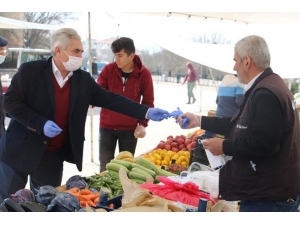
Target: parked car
100, 65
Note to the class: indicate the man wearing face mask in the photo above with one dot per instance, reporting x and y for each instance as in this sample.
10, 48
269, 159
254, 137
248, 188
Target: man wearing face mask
3, 49
48, 102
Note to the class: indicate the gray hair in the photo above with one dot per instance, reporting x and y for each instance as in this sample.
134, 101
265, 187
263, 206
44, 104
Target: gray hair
256, 48
62, 37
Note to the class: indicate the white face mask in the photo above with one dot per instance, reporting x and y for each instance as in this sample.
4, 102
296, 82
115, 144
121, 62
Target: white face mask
74, 63
2, 58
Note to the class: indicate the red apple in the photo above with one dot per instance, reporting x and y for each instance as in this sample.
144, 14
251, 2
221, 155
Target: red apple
189, 146
183, 137
168, 147
161, 145
175, 149
174, 144
180, 141
184, 149
176, 138
187, 141
168, 142
182, 146
170, 136
193, 144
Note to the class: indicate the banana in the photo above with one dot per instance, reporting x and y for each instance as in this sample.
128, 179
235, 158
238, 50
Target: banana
12, 205
128, 159
124, 154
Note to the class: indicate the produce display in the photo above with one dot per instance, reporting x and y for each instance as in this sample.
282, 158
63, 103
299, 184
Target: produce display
173, 154
167, 159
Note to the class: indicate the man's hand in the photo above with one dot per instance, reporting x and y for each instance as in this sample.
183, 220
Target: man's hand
214, 145
51, 129
188, 120
139, 131
157, 114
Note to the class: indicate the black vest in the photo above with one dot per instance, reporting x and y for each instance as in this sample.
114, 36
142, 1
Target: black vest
278, 176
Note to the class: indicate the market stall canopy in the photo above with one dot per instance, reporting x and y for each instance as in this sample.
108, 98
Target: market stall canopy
7, 23
280, 29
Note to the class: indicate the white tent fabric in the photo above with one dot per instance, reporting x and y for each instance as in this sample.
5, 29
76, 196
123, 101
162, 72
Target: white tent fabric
281, 31
7, 23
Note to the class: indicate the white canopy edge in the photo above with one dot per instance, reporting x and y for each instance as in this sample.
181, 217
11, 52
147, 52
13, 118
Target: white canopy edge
7, 23
282, 39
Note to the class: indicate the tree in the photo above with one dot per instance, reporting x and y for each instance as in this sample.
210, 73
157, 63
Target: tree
33, 38
36, 38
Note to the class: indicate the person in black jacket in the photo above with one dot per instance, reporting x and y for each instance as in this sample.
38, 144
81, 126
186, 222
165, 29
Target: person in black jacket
48, 102
263, 136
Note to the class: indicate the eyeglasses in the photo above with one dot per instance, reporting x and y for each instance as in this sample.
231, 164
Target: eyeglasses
3, 50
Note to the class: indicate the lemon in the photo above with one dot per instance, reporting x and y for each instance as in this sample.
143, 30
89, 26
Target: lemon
187, 153
181, 153
167, 158
164, 163
158, 162
178, 161
157, 156
182, 158
184, 163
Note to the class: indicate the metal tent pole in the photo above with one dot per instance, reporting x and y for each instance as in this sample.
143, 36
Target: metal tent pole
90, 69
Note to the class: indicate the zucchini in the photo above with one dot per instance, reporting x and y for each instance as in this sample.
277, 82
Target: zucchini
146, 163
116, 167
138, 181
127, 164
151, 172
113, 173
165, 173
134, 175
140, 171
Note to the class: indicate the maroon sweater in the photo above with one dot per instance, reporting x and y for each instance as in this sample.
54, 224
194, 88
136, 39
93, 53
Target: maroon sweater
62, 100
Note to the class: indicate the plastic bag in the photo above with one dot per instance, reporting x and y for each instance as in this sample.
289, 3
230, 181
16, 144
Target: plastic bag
206, 178
187, 193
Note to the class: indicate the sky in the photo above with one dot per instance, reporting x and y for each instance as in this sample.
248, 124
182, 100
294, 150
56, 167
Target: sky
141, 28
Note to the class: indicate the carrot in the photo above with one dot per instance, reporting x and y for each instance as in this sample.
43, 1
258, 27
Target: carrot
96, 201
82, 204
73, 190
86, 192
92, 196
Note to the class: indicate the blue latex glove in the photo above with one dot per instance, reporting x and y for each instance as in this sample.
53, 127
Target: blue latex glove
157, 114
176, 113
51, 129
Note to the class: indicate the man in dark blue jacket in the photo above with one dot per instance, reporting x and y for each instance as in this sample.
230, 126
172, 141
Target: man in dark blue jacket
48, 103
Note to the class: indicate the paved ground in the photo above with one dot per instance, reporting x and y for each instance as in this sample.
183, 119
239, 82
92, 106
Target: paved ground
168, 96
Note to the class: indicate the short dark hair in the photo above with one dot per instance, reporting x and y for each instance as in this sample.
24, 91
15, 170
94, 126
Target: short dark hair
123, 43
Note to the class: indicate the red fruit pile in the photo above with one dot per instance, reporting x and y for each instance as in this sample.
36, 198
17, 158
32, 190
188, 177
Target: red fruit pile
178, 143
